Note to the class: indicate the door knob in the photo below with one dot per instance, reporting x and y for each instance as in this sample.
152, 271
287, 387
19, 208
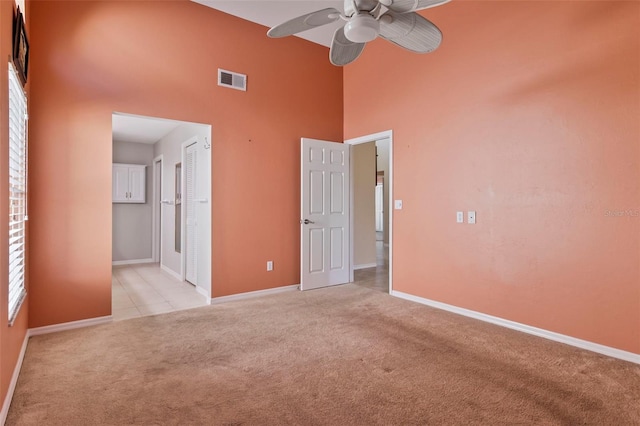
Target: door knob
306, 221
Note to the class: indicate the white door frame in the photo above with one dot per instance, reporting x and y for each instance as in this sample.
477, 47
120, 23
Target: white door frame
156, 235
388, 134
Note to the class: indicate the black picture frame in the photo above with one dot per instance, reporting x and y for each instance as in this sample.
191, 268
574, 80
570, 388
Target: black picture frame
20, 47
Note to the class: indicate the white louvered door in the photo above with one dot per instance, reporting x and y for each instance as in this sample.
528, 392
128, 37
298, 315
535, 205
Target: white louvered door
191, 224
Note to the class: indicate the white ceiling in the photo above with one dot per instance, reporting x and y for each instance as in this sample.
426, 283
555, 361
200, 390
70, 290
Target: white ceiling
138, 129
271, 13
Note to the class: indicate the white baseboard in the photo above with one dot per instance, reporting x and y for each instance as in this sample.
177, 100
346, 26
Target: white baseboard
14, 380
557, 337
171, 272
69, 325
252, 294
131, 262
364, 266
204, 292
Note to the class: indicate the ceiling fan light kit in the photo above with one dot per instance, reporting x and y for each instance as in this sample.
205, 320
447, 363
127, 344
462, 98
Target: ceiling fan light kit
362, 28
393, 20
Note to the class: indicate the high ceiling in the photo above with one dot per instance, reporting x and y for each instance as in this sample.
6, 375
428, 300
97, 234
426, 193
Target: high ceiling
270, 13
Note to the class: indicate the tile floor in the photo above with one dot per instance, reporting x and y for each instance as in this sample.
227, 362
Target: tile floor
145, 289
375, 278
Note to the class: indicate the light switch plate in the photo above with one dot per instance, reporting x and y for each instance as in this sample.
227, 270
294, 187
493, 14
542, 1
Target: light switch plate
269, 265
460, 217
471, 217
398, 204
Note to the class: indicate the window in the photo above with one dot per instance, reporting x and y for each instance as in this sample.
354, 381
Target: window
21, 5
17, 192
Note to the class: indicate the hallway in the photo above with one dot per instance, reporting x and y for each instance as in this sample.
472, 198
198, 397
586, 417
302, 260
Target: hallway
375, 278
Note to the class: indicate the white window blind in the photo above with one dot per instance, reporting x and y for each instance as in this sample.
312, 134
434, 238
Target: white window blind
17, 192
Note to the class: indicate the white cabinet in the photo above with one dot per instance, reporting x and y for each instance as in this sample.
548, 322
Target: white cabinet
129, 183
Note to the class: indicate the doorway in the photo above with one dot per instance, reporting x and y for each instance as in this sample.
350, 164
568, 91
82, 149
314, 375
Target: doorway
322, 171
153, 278
371, 248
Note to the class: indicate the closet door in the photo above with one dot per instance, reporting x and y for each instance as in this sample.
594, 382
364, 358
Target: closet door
190, 242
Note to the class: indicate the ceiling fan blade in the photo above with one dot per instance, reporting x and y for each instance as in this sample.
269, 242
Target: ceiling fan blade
343, 51
305, 22
411, 31
405, 6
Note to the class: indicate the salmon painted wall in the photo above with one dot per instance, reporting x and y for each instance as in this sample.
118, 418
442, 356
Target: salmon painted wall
11, 338
160, 59
529, 114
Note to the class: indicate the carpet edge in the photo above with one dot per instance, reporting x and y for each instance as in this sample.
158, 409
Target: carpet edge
524, 328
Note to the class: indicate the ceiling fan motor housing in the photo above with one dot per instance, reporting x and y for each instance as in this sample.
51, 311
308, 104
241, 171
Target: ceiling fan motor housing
398, 20
362, 28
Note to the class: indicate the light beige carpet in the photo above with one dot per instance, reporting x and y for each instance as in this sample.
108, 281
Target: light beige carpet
338, 356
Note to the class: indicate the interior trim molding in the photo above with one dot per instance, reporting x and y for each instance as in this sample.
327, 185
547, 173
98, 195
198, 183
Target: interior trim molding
203, 292
546, 334
364, 266
171, 272
14, 380
252, 294
131, 262
69, 325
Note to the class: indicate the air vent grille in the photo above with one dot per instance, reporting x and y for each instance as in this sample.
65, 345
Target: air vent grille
231, 79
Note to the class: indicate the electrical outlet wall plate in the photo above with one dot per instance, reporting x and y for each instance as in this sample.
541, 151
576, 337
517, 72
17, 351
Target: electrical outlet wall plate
471, 217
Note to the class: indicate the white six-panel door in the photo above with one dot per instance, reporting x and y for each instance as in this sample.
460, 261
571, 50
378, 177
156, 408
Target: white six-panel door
324, 220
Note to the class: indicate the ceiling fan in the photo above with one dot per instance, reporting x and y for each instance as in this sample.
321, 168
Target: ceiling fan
393, 20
